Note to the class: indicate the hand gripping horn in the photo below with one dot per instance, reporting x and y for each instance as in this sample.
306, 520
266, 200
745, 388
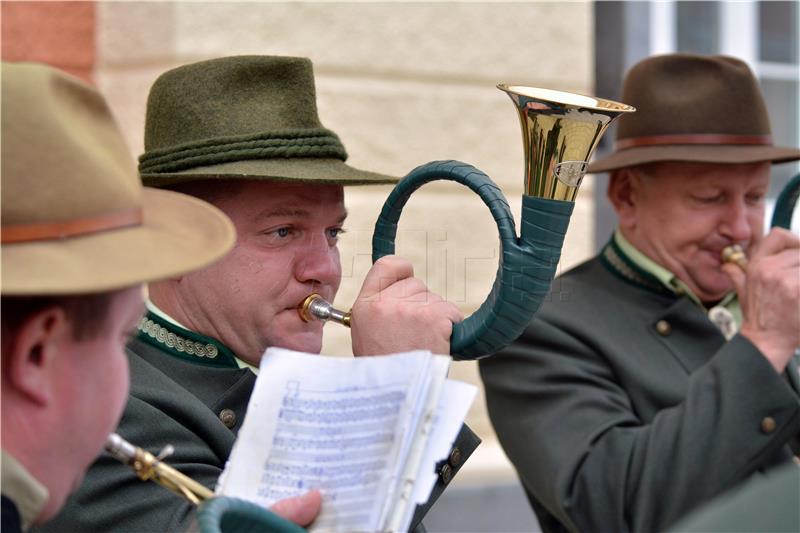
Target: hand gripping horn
560, 131
781, 218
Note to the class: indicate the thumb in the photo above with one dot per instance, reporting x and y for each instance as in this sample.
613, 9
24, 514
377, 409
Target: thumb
302, 510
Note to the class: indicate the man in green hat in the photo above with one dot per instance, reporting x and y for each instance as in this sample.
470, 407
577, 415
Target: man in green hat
79, 238
658, 377
243, 133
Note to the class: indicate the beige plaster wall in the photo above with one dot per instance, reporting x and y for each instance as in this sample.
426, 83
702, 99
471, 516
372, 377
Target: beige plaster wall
402, 84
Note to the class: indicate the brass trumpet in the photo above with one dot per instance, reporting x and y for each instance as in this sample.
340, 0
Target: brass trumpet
735, 254
216, 514
148, 467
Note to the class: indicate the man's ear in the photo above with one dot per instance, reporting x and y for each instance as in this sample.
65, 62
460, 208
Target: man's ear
623, 193
31, 359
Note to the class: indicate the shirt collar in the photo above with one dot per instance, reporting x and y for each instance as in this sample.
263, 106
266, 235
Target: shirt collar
163, 331
27, 493
668, 280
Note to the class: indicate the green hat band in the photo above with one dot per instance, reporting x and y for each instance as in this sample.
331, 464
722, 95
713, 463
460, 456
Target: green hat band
287, 143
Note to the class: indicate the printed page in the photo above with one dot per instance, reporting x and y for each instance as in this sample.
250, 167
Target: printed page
334, 424
419, 428
454, 403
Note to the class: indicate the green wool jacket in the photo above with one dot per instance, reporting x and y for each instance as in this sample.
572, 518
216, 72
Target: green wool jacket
622, 406
764, 503
195, 402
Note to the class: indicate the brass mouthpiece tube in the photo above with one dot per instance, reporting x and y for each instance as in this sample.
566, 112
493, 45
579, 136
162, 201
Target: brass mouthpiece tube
315, 307
735, 254
149, 467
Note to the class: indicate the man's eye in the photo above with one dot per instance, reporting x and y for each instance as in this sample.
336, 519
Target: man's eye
754, 198
334, 233
279, 233
709, 199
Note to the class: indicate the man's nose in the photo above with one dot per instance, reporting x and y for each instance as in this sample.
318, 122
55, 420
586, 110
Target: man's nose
319, 262
737, 223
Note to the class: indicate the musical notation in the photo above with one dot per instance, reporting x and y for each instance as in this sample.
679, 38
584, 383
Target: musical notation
358, 430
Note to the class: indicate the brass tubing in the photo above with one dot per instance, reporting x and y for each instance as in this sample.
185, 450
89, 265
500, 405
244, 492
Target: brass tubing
315, 307
149, 467
735, 254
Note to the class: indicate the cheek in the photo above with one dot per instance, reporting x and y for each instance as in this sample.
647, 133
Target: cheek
119, 382
111, 380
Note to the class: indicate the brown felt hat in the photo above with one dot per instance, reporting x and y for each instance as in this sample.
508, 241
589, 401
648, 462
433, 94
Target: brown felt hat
242, 117
75, 217
693, 108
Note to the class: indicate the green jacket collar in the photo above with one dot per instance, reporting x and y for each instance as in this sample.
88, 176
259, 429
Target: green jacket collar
183, 343
620, 263
630, 264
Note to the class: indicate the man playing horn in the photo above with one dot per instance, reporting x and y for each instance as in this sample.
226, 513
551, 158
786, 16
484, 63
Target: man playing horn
243, 134
628, 402
78, 240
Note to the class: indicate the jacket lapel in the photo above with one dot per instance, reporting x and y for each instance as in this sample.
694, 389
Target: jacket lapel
687, 333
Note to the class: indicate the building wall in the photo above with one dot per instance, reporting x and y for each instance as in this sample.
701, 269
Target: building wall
402, 84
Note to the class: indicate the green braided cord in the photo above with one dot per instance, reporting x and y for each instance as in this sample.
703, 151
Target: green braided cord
527, 265
232, 515
784, 205
313, 142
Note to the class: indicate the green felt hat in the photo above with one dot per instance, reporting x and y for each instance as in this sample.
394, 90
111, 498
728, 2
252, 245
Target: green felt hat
242, 117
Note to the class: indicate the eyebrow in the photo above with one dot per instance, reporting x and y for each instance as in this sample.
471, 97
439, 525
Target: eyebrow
291, 212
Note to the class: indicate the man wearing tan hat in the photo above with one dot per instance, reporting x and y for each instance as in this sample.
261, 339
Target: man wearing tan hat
658, 377
243, 133
79, 237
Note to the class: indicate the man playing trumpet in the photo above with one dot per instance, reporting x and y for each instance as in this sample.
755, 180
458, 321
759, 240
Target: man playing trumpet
657, 377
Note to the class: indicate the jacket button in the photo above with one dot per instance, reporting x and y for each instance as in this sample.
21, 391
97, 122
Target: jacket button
228, 417
446, 474
663, 328
455, 457
768, 425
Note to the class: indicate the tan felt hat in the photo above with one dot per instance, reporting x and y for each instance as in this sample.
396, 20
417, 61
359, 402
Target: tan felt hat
75, 217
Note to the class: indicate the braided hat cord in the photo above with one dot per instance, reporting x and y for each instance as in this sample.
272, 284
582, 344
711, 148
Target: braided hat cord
288, 143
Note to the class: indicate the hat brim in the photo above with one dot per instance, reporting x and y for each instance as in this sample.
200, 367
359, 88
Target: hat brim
178, 234
695, 153
311, 170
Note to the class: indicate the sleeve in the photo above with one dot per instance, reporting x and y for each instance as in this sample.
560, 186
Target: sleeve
582, 451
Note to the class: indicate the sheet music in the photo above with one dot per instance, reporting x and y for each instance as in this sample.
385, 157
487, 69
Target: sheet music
344, 426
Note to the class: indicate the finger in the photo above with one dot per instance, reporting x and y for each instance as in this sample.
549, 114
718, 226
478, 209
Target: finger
302, 510
386, 271
777, 240
450, 311
409, 289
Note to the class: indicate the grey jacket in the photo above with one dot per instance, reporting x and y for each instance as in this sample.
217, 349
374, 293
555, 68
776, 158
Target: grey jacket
622, 406
194, 401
